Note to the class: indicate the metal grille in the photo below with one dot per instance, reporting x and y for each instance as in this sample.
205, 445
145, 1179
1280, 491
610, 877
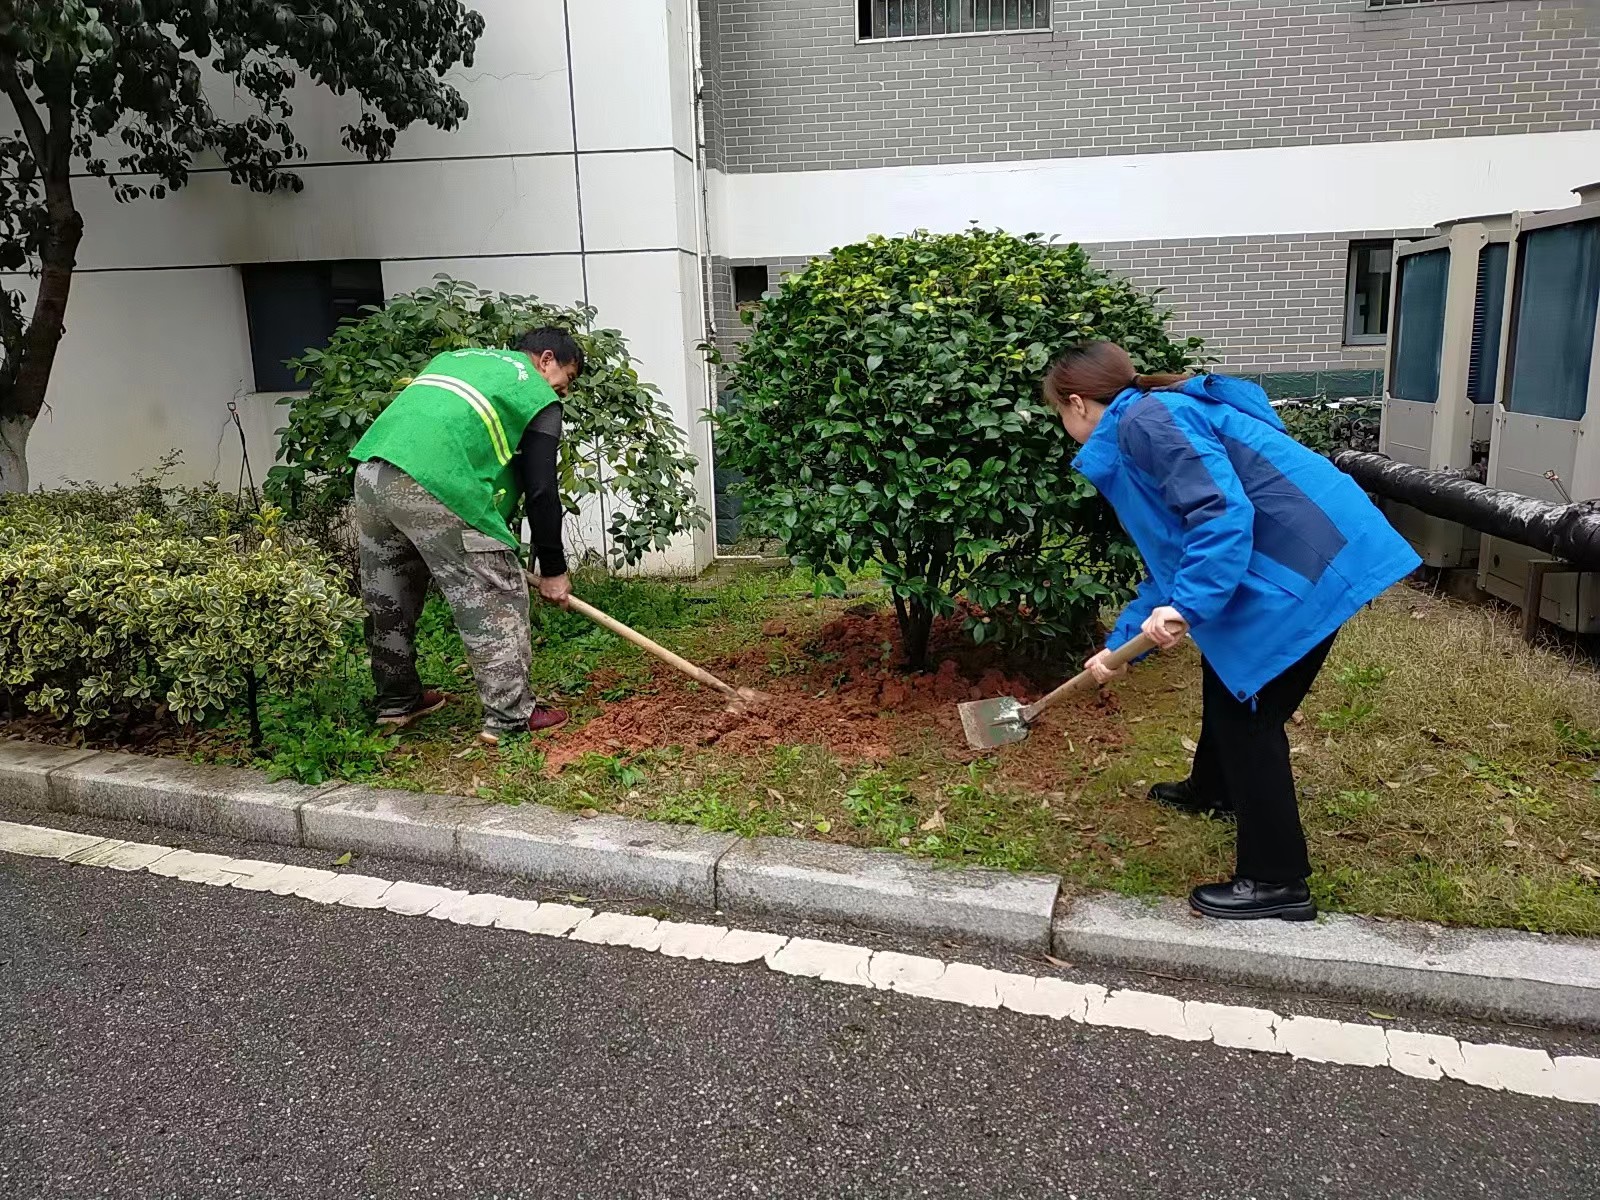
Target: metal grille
885, 19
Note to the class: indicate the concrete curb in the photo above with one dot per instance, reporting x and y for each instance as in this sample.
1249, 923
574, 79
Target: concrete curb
606, 855
836, 883
1494, 974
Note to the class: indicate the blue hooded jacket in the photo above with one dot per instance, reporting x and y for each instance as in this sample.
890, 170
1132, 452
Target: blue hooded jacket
1264, 546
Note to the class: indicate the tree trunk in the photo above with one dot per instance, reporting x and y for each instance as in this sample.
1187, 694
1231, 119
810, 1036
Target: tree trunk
14, 453
58, 260
916, 629
51, 147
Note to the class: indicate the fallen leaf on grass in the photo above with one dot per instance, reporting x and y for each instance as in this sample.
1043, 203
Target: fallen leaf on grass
1393, 787
934, 823
1298, 717
1057, 962
343, 860
1511, 844
823, 826
1509, 824
1378, 1016
775, 795
1588, 872
467, 753
588, 814
1190, 745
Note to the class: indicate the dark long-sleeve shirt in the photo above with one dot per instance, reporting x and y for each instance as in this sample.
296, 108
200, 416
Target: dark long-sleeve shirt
539, 455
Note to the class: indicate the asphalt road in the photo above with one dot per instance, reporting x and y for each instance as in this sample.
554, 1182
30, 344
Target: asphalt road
161, 1039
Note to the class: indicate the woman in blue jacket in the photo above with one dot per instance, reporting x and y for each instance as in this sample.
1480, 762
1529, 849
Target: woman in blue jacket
1257, 547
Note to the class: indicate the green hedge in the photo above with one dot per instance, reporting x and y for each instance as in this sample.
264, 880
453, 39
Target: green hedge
122, 602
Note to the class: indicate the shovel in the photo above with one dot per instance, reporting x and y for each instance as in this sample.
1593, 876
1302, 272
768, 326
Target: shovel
1005, 719
740, 700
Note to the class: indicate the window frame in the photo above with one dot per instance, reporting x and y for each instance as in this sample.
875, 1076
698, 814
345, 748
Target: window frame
863, 9
253, 329
1349, 337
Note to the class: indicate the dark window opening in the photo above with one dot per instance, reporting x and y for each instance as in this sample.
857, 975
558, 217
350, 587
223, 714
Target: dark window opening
295, 307
878, 20
1488, 309
749, 284
1366, 304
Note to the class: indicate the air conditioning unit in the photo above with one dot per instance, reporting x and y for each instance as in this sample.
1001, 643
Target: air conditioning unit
1444, 352
1546, 439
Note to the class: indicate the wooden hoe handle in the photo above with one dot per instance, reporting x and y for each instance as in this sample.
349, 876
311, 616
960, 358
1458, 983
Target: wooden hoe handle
698, 674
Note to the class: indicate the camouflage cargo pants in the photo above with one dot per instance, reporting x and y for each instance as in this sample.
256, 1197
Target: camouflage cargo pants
408, 536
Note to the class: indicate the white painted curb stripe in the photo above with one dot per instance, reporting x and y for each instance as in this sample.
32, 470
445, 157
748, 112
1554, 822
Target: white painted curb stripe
1312, 1039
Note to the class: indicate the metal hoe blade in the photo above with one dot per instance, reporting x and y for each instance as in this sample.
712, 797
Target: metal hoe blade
991, 723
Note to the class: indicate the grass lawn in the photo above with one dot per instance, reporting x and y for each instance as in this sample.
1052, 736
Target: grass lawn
1448, 772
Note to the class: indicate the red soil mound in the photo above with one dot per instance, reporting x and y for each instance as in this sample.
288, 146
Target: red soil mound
850, 695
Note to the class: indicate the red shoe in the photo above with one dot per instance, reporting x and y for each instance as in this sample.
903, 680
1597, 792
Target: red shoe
430, 703
540, 718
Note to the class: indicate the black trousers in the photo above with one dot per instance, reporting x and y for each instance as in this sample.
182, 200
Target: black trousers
1242, 763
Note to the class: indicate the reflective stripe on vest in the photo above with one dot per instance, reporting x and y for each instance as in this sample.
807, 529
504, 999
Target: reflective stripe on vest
480, 404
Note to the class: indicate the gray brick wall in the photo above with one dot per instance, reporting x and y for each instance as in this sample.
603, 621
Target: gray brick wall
711, 88
796, 92
1263, 304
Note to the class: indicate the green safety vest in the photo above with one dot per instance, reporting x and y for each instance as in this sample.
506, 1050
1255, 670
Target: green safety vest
455, 428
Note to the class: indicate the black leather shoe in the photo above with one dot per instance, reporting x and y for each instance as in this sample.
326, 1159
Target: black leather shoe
1183, 797
1247, 900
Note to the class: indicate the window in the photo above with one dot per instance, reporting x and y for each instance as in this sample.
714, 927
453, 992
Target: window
1366, 293
749, 285
1419, 326
879, 20
295, 307
1553, 315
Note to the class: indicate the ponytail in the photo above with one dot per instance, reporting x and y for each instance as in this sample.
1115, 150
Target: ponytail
1153, 383
1098, 371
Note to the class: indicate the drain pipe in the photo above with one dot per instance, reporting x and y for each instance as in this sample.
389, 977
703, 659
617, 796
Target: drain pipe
1570, 532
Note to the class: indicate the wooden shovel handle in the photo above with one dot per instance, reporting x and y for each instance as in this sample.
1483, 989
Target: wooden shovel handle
1084, 680
699, 674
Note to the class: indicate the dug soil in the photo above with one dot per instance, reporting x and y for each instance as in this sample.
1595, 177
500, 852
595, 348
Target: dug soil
842, 687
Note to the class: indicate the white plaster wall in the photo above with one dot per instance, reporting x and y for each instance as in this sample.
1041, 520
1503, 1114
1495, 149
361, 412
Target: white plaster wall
1222, 193
426, 209
150, 361
557, 278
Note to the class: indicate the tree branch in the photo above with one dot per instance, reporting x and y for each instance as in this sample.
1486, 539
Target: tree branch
32, 125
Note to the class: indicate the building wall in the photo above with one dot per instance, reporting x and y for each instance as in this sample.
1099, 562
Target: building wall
801, 93
572, 185
1225, 150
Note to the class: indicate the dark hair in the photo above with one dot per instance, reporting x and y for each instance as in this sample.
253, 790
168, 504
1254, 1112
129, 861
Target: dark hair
557, 341
1098, 371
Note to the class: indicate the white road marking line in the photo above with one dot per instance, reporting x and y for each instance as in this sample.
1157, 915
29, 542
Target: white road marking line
1428, 1056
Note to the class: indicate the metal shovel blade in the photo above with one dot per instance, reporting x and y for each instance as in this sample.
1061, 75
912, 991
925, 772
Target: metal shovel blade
991, 723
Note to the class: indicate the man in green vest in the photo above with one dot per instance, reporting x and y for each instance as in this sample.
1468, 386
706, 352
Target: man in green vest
441, 471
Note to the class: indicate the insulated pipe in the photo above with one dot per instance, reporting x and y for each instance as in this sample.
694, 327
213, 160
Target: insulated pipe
1567, 531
